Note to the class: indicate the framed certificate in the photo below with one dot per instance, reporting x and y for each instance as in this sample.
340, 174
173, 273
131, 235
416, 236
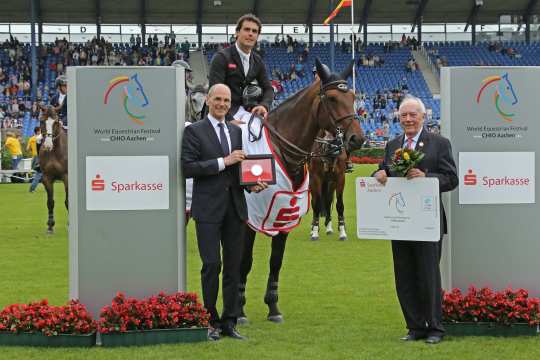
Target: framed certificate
400, 210
258, 168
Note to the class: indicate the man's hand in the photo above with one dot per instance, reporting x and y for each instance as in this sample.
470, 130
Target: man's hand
237, 122
414, 172
259, 187
260, 110
381, 177
235, 157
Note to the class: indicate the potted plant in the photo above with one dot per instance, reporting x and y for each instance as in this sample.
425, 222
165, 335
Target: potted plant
40, 324
493, 313
159, 319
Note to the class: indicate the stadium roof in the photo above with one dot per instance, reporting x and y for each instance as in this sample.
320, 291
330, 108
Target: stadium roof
270, 11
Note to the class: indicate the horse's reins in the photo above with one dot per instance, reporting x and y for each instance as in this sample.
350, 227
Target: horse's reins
294, 150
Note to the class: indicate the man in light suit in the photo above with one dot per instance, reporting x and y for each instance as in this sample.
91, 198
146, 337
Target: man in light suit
416, 263
211, 154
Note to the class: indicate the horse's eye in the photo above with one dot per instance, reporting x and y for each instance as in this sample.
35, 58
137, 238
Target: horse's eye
332, 99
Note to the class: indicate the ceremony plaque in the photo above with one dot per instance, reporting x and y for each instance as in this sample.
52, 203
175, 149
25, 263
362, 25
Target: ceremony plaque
400, 210
258, 168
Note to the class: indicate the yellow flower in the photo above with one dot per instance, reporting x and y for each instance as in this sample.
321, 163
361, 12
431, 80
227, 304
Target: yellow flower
406, 156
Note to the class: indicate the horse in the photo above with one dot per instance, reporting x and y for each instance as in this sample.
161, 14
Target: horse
327, 176
53, 159
195, 102
503, 91
326, 104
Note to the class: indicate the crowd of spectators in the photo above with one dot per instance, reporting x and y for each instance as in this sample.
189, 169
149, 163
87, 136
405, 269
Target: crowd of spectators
498, 47
15, 67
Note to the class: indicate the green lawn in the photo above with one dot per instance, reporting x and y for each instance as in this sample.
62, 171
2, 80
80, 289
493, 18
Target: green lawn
338, 298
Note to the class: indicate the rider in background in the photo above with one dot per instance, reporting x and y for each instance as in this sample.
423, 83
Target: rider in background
59, 100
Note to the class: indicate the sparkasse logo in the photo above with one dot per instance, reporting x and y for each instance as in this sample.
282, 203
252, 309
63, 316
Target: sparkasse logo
98, 184
470, 178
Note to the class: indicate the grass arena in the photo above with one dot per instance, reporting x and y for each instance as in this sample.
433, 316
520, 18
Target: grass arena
337, 297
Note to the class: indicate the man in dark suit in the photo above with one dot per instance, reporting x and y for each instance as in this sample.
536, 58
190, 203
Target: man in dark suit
211, 154
416, 263
238, 66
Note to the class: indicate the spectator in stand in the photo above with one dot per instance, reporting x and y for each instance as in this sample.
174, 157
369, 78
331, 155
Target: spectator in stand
299, 69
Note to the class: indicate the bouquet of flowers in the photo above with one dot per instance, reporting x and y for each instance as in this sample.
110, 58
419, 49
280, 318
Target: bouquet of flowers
404, 160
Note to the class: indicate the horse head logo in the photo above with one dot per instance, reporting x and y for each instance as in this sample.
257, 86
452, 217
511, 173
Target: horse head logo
399, 202
132, 94
503, 92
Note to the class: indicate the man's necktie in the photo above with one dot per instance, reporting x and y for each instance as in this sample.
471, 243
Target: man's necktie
245, 63
223, 140
410, 143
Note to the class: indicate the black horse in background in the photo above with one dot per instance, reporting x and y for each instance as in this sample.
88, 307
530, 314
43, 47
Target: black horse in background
327, 104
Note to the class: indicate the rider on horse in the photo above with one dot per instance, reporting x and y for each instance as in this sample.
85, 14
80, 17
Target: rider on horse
59, 100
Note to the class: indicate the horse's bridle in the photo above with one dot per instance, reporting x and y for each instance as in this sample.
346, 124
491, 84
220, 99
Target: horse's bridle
306, 156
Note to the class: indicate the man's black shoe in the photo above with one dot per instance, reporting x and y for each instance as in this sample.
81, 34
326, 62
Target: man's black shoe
433, 339
412, 337
233, 333
213, 334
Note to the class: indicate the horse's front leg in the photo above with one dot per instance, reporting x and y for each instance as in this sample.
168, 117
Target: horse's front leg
48, 183
66, 190
315, 186
340, 208
276, 260
245, 268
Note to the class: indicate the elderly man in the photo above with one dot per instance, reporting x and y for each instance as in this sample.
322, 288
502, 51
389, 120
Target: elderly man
416, 263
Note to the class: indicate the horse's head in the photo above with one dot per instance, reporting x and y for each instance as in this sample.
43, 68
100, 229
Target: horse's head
506, 90
197, 98
50, 127
335, 112
135, 92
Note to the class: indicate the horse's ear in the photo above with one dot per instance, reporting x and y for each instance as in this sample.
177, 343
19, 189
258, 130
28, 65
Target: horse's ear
347, 71
322, 70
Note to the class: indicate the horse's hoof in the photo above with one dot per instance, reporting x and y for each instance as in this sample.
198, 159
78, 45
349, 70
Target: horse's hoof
50, 231
329, 232
314, 238
342, 238
242, 320
277, 319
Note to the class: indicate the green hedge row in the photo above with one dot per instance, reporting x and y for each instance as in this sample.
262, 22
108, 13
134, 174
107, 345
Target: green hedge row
369, 152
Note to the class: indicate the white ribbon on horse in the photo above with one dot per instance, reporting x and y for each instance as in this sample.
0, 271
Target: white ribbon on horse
48, 144
279, 208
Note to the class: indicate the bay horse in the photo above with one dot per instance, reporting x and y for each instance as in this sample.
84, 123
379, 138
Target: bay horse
326, 104
327, 176
53, 158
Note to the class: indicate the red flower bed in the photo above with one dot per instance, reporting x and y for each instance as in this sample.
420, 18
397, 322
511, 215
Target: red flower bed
180, 310
485, 305
40, 317
365, 160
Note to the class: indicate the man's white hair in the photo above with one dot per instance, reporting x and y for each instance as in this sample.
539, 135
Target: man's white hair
410, 98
